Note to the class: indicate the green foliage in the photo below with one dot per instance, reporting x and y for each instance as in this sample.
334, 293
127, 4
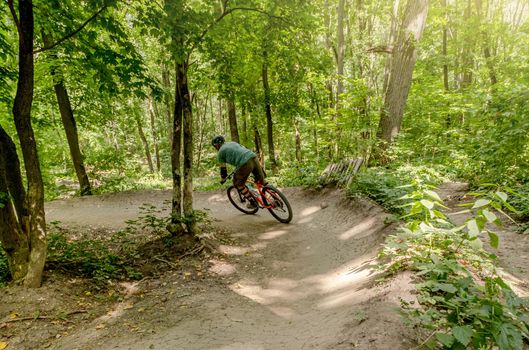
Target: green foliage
87, 258
462, 301
297, 175
112, 183
387, 186
520, 200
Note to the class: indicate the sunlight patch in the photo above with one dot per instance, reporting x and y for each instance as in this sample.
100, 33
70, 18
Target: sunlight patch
217, 198
272, 234
358, 229
310, 210
233, 250
222, 268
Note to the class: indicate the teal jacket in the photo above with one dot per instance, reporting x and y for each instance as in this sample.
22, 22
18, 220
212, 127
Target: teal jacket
234, 154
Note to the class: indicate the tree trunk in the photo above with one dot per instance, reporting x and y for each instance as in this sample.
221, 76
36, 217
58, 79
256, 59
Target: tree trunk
268, 111
258, 146
445, 58
188, 147
340, 50
153, 115
391, 43
404, 57
298, 140
145, 145
169, 108
12, 211
233, 119
445, 48
9, 160
340, 58
22, 116
176, 150
467, 57
69, 124
486, 48
202, 123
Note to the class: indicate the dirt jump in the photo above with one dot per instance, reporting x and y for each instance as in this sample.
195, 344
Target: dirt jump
310, 284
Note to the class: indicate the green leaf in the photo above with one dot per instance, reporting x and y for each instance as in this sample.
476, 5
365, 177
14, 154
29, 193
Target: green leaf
476, 243
494, 239
428, 204
509, 337
503, 196
481, 203
463, 334
433, 195
473, 229
445, 287
445, 339
491, 217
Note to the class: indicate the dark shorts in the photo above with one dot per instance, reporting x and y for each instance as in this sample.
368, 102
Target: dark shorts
252, 166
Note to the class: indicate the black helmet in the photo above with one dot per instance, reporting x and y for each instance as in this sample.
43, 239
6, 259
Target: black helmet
218, 140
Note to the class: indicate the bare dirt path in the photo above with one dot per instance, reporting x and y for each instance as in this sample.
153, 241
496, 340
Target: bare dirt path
306, 285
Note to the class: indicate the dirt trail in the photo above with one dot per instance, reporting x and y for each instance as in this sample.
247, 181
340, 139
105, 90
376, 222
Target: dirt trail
306, 285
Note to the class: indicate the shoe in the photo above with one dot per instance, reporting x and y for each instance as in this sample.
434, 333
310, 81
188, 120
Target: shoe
251, 205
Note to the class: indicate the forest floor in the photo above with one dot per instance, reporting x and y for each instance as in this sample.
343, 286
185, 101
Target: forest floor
311, 284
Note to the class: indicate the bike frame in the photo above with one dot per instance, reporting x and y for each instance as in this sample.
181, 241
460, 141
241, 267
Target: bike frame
259, 199
259, 187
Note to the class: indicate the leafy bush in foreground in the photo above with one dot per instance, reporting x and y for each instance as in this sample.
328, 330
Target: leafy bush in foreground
462, 301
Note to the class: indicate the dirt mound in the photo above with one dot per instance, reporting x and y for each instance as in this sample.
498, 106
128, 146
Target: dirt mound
306, 285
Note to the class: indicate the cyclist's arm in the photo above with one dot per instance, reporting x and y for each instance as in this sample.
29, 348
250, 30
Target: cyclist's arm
223, 171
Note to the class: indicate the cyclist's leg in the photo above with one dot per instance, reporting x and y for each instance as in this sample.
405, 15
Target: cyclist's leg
257, 171
239, 180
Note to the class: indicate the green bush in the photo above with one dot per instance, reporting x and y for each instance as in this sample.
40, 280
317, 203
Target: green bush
462, 300
386, 186
87, 258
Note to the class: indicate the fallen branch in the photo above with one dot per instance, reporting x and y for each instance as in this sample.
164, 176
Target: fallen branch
165, 261
44, 317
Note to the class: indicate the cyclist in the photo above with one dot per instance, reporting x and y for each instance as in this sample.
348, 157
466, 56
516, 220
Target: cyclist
244, 161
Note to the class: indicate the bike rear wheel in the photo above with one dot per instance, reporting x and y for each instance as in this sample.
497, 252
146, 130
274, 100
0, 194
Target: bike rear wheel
239, 201
279, 206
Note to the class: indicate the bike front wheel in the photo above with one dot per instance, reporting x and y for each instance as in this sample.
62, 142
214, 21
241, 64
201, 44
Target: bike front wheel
239, 201
279, 206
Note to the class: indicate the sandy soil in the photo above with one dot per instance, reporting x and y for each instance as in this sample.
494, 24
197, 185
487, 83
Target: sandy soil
310, 284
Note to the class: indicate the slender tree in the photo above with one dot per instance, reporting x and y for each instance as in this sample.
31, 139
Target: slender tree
35, 223
403, 61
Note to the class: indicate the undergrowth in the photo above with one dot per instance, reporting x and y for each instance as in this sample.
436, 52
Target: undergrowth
462, 302
387, 186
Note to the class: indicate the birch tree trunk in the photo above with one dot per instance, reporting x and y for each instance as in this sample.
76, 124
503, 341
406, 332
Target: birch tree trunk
403, 62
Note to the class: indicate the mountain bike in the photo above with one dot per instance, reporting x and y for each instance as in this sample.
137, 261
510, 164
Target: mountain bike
266, 197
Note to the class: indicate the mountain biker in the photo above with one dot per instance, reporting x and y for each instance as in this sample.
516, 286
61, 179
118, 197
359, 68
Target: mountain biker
244, 161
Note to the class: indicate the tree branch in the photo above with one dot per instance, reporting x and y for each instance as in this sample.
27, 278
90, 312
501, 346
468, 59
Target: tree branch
224, 14
14, 14
68, 36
